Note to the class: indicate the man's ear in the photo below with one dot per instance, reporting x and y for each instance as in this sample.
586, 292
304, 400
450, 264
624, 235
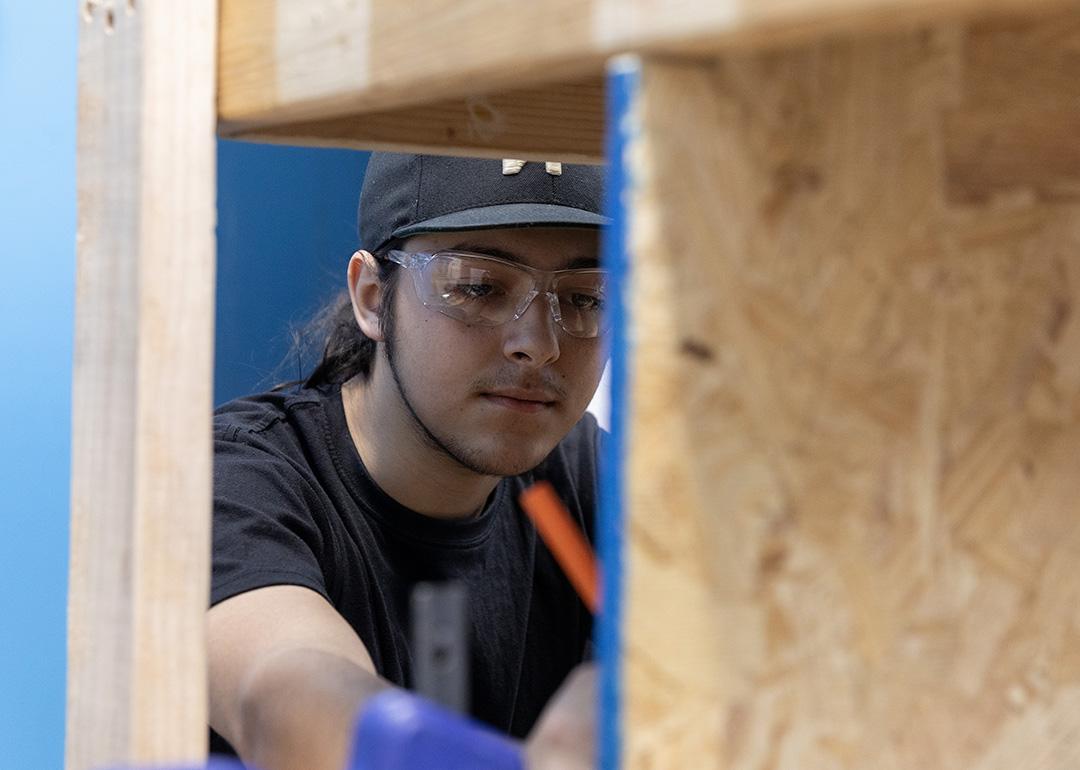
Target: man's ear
366, 293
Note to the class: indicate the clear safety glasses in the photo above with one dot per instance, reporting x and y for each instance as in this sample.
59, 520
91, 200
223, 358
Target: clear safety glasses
478, 289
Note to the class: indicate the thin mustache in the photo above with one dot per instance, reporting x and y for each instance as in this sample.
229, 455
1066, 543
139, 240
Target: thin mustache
543, 384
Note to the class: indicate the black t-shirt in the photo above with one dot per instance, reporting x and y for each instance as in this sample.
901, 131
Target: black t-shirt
293, 504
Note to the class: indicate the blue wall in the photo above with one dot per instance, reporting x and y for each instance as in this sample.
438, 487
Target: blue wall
286, 229
37, 235
37, 238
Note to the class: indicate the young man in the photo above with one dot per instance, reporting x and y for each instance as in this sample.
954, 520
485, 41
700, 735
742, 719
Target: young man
456, 375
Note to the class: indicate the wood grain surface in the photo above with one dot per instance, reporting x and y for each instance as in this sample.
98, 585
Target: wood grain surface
408, 75
854, 518
564, 121
140, 487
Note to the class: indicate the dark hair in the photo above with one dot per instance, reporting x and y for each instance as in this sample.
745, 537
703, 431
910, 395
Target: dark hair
346, 351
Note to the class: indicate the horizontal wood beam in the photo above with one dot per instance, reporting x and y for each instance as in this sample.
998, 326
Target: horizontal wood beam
562, 121
416, 71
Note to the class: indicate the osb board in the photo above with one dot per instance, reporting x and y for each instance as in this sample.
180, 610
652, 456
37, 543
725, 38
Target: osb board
140, 485
387, 73
854, 519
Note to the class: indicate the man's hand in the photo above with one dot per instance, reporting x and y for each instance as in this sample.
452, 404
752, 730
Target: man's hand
565, 736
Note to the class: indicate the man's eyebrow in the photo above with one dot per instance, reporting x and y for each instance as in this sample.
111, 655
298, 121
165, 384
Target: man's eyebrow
578, 263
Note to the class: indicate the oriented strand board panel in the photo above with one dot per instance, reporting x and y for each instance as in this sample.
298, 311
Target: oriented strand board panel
487, 77
853, 437
140, 488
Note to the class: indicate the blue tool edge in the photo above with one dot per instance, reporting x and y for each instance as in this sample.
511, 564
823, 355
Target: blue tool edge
398, 730
622, 85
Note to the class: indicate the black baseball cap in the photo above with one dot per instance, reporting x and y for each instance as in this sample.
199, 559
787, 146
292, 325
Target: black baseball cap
407, 195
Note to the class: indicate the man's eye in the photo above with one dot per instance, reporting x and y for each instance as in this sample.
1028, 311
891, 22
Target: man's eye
462, 292
477, 290
587, 302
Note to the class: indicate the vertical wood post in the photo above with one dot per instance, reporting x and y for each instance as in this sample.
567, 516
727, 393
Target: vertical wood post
142, 383
853, 438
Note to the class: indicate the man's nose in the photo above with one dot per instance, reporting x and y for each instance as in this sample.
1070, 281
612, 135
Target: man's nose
534, 337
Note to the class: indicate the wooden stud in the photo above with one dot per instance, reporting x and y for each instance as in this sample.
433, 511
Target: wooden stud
852, 536
140, 490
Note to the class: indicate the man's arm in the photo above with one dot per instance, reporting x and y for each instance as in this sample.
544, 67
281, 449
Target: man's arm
288, 676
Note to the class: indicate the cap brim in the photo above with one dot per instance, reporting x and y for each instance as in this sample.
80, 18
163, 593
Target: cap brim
505, 215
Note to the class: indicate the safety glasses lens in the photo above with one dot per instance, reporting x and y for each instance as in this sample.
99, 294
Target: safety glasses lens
581, 302
490, 292
474, 290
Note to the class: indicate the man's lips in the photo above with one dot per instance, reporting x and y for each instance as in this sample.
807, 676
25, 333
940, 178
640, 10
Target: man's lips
530, 401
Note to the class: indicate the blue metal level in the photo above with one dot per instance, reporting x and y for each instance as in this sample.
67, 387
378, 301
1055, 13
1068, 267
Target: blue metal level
622, 128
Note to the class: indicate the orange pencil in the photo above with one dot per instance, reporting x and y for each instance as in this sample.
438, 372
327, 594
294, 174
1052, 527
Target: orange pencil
566, 542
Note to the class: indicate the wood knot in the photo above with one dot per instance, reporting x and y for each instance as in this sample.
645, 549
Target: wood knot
696, 349
789, 180
797, 176
1059, 317
772, 560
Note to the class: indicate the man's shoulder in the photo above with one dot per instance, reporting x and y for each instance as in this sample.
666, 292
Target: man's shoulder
281, 409
585, 437
576, 455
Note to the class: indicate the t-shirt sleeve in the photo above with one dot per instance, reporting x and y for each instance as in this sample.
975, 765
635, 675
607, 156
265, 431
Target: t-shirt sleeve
265, 529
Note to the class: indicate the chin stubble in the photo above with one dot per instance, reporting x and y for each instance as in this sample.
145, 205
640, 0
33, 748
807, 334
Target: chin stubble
470, 460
